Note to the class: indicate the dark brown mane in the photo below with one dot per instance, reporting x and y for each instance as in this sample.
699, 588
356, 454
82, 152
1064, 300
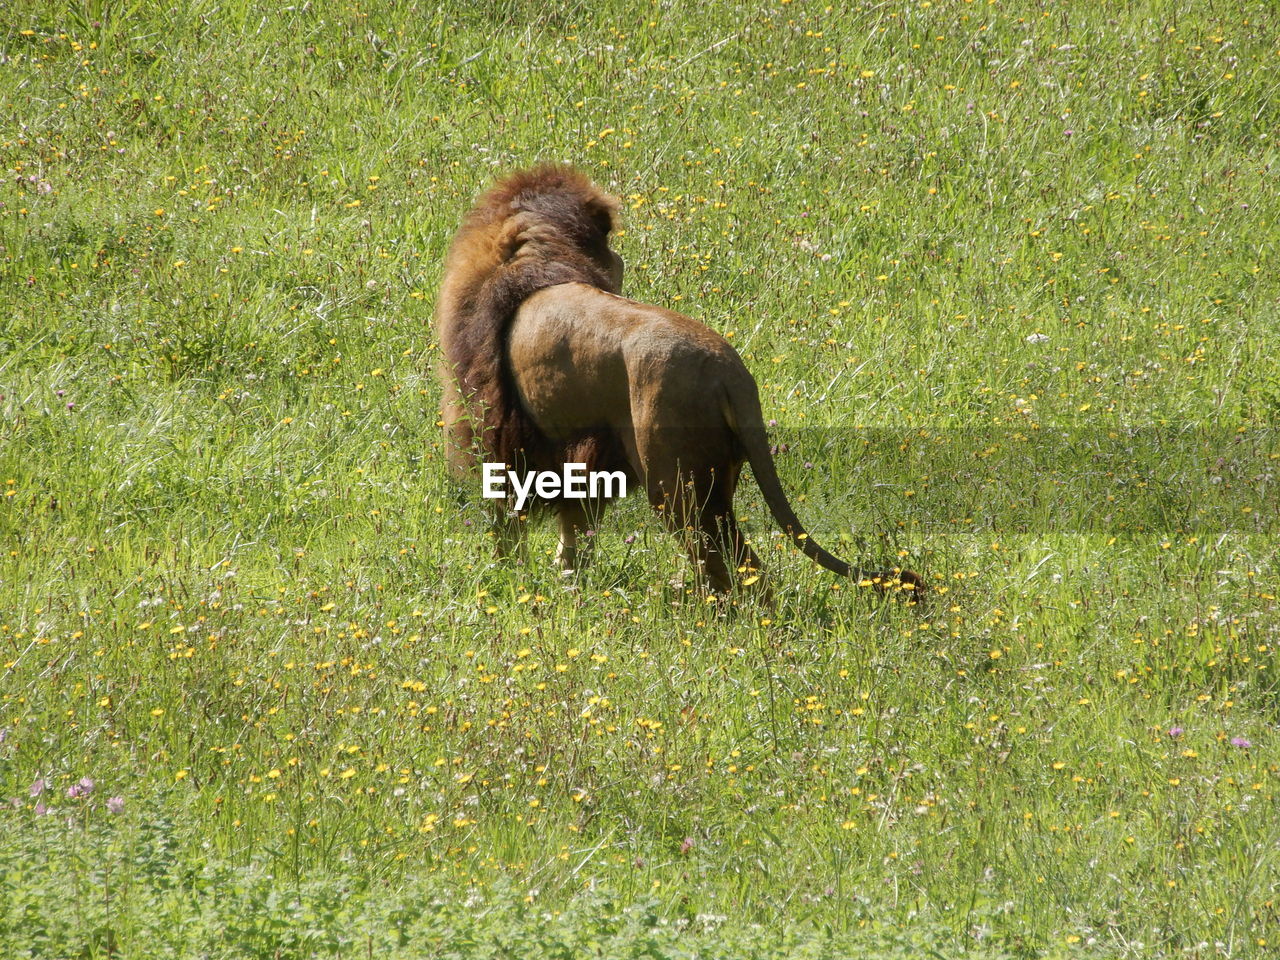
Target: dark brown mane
532, 229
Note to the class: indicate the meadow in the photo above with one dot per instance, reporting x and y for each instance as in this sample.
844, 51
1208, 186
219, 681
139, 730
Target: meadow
1006, 274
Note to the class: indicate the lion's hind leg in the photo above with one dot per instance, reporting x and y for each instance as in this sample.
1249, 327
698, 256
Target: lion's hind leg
730, 556
698, 508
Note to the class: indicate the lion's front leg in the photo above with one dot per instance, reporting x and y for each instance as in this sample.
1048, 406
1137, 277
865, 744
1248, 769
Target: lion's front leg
577, 518
462, 452
507, 528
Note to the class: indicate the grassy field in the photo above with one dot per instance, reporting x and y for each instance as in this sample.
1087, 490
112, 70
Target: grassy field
1006, 274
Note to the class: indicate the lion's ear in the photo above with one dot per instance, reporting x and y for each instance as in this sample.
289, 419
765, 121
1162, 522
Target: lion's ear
604, 214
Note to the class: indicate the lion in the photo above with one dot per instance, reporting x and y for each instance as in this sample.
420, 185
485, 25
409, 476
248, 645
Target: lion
544, 363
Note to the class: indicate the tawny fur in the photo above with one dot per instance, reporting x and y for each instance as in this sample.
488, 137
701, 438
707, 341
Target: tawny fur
544, 363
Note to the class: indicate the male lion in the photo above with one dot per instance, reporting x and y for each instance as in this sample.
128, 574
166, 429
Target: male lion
545, 364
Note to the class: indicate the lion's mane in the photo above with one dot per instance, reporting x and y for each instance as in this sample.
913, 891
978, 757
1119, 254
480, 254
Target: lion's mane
533, 229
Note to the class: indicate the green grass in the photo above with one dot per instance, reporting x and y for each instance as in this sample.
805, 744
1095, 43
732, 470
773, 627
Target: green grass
1005, 274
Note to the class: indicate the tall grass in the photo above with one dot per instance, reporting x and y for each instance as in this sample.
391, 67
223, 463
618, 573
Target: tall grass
1002, 271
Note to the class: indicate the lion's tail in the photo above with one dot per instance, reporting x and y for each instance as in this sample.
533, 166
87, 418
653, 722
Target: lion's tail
745, 418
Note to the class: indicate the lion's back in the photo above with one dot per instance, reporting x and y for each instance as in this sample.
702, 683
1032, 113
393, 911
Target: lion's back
583, 357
